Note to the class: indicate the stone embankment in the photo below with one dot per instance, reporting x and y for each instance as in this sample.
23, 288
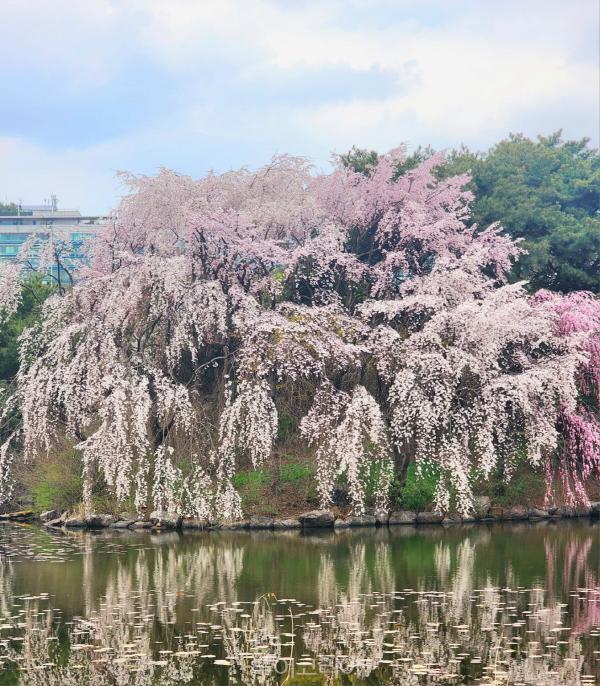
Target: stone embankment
316, 519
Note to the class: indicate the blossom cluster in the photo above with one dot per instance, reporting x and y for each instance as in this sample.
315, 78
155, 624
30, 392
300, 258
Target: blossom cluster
364, 300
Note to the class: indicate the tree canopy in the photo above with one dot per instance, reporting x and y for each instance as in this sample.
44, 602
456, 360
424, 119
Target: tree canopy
33, 292
545, 191
366, 300
8, 208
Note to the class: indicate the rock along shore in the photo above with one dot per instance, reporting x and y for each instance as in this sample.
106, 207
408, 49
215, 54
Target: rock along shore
315, 519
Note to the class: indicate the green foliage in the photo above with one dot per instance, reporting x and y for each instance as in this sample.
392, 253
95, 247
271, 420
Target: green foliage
287, 423
278, 274
414, 159
55, 482
253, 487
11, 422
372, 481
8, 208
251, 479
360, 160
35, 291
295, 472
417, 491
297, 482
525, 487
547, 192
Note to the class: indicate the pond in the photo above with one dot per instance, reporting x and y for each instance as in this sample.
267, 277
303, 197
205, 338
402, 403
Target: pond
482, 604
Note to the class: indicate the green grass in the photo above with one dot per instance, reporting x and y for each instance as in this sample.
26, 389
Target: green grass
55, 482
417, 491
253, 486
295, 472
251, 479
299, 478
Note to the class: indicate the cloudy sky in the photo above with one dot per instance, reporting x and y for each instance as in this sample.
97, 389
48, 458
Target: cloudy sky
90, 87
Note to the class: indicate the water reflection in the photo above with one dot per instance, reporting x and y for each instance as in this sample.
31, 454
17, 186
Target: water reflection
513, 604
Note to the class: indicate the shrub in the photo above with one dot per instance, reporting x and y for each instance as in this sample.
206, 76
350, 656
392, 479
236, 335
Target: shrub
417, 491
55, 482
524, 487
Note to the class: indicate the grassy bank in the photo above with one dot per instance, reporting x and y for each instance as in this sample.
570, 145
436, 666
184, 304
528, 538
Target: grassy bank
287, 487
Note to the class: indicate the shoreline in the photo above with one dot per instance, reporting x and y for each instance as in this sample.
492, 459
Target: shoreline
307, 521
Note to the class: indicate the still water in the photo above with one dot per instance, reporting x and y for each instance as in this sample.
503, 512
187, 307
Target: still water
497, 604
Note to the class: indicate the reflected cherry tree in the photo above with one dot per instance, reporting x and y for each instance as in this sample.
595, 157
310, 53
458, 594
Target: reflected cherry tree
177, 611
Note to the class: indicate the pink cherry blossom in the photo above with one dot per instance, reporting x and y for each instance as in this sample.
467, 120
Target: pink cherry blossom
365, 297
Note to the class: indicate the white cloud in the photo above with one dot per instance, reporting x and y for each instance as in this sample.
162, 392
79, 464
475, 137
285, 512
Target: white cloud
464, 94
460, 71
